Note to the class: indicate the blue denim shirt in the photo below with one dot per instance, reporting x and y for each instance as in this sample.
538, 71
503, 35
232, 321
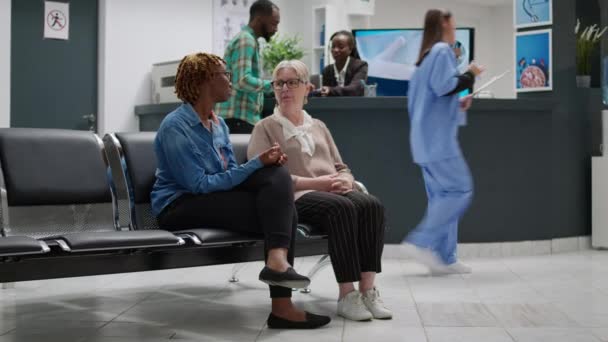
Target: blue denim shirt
189, 158
435, 117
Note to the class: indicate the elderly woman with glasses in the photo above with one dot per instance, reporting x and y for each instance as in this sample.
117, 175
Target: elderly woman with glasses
325, 194
199, 184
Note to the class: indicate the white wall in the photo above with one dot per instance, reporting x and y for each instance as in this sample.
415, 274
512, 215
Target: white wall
296, 19
504, 54
135, 34
5, 62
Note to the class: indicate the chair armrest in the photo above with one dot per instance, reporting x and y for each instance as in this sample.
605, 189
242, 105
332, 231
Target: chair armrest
359, 186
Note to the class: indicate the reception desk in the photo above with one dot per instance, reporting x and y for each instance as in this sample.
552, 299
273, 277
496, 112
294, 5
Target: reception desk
510, 145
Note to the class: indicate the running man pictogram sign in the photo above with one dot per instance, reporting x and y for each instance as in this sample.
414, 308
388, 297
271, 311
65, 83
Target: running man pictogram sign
56, 20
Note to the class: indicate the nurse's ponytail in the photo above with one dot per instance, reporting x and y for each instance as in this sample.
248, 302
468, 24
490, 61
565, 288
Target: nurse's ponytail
433, 31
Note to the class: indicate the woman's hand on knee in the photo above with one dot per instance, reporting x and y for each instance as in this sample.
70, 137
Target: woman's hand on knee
326, 183
341, 186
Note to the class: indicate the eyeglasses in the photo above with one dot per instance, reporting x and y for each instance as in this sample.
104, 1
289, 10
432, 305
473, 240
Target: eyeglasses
291, 84
226, 73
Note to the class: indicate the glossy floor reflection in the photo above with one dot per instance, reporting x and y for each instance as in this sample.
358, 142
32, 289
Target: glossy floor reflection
556, 298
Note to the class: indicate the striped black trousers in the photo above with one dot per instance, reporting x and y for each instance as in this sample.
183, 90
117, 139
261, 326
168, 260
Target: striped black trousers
354, 223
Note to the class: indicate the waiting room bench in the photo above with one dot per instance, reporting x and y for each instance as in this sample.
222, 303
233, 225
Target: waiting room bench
60, 216
133, 164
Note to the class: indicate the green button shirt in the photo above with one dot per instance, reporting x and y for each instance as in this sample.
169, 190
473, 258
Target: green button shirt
243, 60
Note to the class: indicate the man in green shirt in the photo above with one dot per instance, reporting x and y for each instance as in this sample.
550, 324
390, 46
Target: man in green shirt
242, 57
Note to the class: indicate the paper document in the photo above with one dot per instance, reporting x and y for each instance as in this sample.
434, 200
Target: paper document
490, 82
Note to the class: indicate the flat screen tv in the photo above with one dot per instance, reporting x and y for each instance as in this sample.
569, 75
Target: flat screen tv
392, 53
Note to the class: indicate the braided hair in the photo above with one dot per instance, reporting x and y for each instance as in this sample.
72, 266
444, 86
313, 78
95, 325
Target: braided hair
192, 71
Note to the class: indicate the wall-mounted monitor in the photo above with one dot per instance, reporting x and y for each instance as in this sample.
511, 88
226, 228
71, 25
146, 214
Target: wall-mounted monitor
392, 54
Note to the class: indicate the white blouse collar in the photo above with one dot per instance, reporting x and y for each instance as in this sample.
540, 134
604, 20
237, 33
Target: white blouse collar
302, 133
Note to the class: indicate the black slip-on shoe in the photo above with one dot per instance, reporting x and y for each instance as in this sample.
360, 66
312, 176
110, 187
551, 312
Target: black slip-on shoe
290, 278
312, 322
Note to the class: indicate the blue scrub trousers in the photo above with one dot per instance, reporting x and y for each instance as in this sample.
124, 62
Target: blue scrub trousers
449, 187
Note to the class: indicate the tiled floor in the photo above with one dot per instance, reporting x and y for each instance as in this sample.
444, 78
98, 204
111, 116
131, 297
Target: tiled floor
557, 298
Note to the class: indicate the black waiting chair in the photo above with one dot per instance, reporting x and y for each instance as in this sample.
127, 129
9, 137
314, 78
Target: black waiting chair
55, 196
11, 246
133, 162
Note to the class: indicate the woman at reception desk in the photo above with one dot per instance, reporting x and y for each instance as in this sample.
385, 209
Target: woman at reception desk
348, 74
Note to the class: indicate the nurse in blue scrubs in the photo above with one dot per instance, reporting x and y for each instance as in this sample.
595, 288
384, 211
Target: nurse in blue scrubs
436, 112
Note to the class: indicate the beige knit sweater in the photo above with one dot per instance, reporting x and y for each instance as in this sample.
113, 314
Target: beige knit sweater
324, 161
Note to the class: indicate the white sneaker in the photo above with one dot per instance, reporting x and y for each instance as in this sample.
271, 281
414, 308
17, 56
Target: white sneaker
455, 268
426, 257
375, 305
460, 268
352, 307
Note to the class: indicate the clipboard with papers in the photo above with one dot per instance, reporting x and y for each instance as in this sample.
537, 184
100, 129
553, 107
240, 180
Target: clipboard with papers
490, 82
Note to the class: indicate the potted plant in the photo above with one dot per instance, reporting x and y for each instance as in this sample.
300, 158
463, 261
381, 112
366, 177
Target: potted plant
280, 48
586, 41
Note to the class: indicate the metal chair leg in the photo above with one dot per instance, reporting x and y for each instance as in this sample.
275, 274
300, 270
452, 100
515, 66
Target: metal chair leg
321, 264
235, 270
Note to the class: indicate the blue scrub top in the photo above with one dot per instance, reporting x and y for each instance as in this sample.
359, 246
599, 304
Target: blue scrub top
435, 117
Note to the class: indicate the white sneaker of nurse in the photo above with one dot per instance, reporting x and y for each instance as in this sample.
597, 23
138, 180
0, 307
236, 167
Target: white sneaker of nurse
375, 305
426, 257
455, 268
352, 307
460, 268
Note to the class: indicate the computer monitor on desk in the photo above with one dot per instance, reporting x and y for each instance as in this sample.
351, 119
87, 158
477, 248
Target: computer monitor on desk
316, 80
391, 55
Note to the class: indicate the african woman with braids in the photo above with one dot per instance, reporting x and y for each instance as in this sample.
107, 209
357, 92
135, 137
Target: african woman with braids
343, 78
199, 184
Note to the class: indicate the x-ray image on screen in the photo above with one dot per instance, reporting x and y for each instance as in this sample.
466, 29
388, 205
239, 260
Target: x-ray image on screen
392, 53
